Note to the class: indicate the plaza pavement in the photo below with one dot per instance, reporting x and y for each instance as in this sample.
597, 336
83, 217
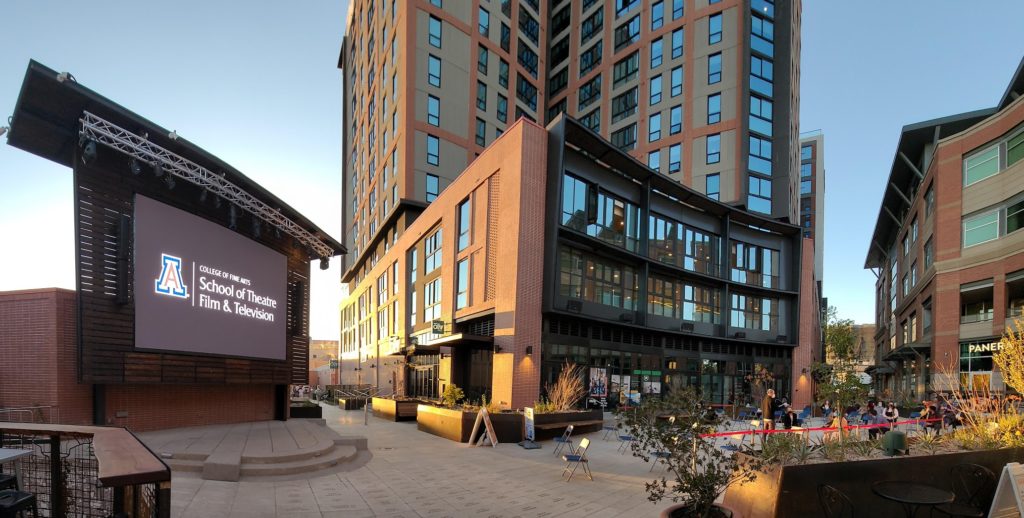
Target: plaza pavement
415, 474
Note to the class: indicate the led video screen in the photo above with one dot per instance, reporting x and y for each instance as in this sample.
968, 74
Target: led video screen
202, 288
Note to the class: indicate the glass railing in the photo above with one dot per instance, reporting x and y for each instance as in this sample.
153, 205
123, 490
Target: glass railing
976, 317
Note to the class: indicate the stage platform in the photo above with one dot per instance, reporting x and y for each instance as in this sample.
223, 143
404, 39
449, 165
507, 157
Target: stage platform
259, 449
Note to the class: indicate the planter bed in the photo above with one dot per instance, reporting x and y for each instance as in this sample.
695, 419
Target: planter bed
351, 404
395, 409
457, 424
308, 411
548, 426
791, 491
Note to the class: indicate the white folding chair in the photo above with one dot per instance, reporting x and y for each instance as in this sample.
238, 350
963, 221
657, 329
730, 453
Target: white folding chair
574, 460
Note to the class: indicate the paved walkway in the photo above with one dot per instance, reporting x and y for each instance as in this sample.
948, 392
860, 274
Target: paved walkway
415, 474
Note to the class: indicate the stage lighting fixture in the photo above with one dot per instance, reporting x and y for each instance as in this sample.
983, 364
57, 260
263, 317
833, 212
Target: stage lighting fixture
169, 181
203, 195
133, 164
257, 228
325, 263
216, 202
158, 170
89, 152
277, 233
233, 218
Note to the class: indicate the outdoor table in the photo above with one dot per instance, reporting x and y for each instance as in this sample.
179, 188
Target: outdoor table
912, 495
11, 455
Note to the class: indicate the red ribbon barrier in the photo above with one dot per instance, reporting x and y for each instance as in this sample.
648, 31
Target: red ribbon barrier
820, 428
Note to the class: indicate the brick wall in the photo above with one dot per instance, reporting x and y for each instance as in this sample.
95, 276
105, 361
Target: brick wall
804, 354
155, 407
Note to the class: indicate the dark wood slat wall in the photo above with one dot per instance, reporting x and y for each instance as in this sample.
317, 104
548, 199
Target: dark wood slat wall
104, 192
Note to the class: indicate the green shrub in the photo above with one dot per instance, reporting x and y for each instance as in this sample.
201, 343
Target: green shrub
451, 396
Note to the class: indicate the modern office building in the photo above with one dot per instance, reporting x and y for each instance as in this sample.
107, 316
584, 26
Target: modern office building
704, 92
947, 251
812, 196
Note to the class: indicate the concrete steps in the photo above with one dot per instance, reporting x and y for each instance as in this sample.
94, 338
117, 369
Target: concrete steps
336, 456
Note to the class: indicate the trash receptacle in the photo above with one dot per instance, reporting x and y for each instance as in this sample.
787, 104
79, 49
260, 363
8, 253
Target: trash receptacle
895, 441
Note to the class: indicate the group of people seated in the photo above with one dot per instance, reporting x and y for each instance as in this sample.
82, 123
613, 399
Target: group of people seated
885, 415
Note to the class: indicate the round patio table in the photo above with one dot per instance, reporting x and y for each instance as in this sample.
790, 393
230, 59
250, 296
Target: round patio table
912, 495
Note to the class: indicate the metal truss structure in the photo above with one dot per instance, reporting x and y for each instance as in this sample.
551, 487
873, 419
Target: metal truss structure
139, 147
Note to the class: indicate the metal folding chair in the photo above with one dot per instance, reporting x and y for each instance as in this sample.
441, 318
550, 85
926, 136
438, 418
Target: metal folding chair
566, 438
574, 460
624, 441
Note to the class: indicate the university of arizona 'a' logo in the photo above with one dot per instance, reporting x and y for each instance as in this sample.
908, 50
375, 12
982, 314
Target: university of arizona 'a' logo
170, 281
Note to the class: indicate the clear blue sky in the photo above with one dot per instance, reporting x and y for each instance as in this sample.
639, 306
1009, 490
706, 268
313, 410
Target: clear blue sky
256, 84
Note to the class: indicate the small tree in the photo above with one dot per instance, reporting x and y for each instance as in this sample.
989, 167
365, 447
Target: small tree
839, 382
568, 389
698, 470
1010, 357
452, 395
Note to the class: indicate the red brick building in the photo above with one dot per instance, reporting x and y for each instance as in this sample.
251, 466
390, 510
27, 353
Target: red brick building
949, 259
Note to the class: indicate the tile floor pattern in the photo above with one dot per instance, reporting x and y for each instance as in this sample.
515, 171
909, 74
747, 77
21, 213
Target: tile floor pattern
415, 474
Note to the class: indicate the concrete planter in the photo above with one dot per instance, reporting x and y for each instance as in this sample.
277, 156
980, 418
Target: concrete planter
681, 511
570, 418
351, 404
305, 412
457, 424
791, 491
395, 409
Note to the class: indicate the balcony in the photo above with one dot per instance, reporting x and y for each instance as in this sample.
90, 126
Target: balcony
89, 471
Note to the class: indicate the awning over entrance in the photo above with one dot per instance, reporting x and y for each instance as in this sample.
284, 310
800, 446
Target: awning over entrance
433, 343
879, 369
909, 351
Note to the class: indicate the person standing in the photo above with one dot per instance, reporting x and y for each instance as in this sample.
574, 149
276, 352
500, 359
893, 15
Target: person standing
891, 414
768, 407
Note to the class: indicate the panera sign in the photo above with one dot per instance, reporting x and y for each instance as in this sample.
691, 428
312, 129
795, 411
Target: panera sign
990, 347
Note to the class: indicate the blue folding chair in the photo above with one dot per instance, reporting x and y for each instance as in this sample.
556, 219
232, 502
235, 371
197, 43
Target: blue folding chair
566, 438
624, 441
576, 459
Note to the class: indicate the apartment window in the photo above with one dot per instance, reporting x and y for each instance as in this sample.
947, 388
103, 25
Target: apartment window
677, 81
761, 116
762, 35
627, 33
700, 304
805, 186
590, 58
805, 170
674, 158
714, 148
624, 6
1015, 149
502, 73
750, 312
677, 9
1015, 217
626, 69
625, 138
712, 185
434, 30
595, 279
981, 228
913, 231
561, 20
913, 274
574, 203
592, 26
657, 15
527, 58
433, 151
624, 105
437, 3
590, 92
929, 201
760, 155
715, 68
754, 265
654, 160
526, 92
929, 254
434, 70
506, 37
714, 28
465, 222
677, 43
714, 108
484, 23
760, 195
502, 108
432, 300
462, 284
481, 133
481, 95
481, 59
761, 74
654, 127
592, 120
528, 25
675, 120
663, 297
805, 152
432, 253
981, 165
559, 53
433, 110
655, 90
382, 288
656, 53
